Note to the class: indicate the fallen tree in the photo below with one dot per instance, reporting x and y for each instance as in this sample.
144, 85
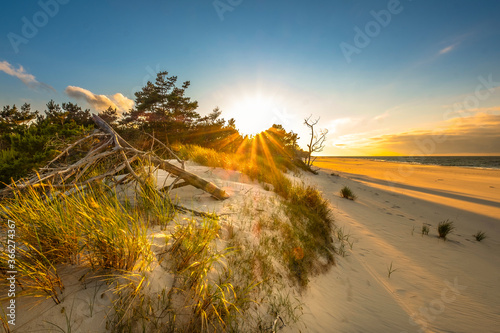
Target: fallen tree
109, 155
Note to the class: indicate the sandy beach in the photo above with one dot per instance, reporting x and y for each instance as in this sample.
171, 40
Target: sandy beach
434, 286
437, 286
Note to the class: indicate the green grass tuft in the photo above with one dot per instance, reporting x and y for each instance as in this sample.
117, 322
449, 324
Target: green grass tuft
479, 236
425, 229
347, 193
445, 228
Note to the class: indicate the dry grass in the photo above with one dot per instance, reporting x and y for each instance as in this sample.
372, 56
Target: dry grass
445, 228
347, 193
90, 226
219, 285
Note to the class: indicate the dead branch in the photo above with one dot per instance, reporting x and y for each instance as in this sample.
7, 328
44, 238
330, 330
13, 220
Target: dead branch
168, 150
110, 156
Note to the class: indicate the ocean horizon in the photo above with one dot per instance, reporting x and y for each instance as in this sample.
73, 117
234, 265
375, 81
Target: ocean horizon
482, 162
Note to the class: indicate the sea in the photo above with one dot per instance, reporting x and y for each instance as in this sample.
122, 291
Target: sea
483, 162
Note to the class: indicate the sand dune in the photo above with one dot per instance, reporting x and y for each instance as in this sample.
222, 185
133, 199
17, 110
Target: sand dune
437, 286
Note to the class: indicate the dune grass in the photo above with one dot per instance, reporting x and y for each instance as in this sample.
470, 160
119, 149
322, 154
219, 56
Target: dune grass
425, 229
347, 193
479, 236
306, 245
444, 228
208, 293
219, 285
88, 226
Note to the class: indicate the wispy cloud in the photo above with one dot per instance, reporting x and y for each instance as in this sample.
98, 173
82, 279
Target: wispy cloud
382, 116
341, 124
21, 74
478, 134
453, 42
447, 49
469, 112
100, 102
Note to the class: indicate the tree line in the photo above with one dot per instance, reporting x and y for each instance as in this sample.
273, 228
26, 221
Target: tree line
29, 139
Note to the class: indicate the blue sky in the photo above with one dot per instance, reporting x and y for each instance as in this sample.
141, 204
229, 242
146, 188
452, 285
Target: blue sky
274, 61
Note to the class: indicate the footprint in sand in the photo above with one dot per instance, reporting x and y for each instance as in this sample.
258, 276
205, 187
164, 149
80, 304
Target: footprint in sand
401, 291
400, 215
388, 213
411, 219
395, 206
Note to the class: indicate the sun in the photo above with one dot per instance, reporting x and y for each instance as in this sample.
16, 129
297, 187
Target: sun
253, 114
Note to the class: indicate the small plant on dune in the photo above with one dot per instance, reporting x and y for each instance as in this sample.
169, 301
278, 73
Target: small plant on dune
347, 193
479, 236
343, 239
390, 270
425, 229
310, 227
5, 322
39, 275
444, 228
211, 295
69, 327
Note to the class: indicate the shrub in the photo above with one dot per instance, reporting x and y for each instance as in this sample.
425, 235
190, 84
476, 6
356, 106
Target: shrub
347, 193
479, 236
444, 228
425, 229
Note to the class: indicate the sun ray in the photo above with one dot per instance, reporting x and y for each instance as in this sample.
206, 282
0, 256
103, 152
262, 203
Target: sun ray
221, 144
242, 148
275, 143
265, 149
253, 154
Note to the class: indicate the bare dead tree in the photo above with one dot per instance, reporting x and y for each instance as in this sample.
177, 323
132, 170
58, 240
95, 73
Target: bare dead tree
317, 142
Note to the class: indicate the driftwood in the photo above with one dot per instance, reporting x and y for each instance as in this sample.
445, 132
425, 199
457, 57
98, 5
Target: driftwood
118, 155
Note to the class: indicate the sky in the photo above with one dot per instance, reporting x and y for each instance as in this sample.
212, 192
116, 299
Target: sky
383, 77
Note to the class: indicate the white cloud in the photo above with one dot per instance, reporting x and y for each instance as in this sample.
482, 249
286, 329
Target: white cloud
381, 116
123, 102
341, 124
20, 73
447, 49
100, 102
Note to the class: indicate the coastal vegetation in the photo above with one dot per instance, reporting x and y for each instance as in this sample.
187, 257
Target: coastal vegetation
346, 192
220, 280
479, 236
425, 229
444, 228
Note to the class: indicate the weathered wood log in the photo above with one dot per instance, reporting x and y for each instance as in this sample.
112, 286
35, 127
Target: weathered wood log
187, 176
116, 154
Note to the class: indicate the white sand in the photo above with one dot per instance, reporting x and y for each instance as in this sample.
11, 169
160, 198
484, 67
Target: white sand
438, 286
86, 305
